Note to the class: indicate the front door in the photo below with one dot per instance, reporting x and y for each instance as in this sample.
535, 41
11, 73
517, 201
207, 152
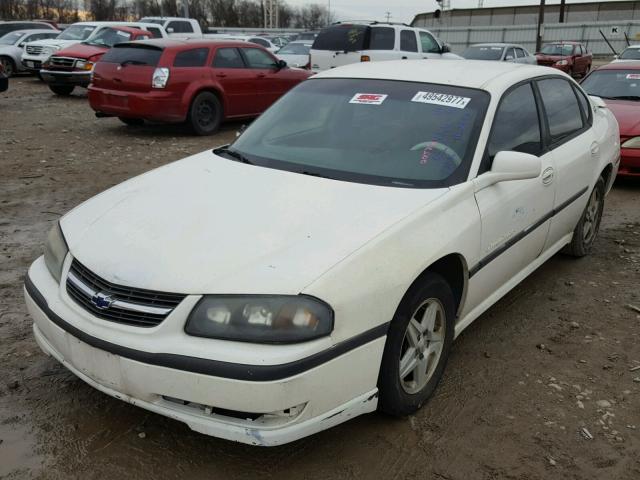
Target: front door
236, 80
266, 88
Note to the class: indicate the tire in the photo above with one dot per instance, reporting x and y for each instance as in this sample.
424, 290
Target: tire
205, 114
132, 122
9, 66
586, 231
403, 393
63, 90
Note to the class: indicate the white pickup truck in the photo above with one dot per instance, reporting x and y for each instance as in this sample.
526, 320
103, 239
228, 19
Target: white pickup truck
37, 52
177, 27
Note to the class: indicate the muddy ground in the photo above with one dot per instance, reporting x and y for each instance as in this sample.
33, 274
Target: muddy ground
552, 358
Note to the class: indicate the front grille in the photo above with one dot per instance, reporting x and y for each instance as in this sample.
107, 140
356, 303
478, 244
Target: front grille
34, 49
62, 62
131, 306
546, 63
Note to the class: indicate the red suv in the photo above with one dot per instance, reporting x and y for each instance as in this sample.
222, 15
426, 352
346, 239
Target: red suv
72, 66
201, 82
570, 57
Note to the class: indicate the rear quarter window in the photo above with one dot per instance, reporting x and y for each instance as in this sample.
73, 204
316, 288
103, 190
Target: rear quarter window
137, 55
196, 57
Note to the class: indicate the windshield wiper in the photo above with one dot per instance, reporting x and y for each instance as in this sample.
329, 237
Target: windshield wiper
233, 154
626, 97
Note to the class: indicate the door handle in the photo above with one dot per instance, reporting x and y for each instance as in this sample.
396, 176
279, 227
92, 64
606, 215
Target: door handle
261, 75
221, 75
547, 176
595, 149
404, 58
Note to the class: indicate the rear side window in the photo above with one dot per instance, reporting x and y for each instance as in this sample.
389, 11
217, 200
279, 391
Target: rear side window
561, 106
429, 44
196, 57
180, 27
408, 42
257, 58
516, 125
154, 31
341, 38
382, 38
137, 55
228, 58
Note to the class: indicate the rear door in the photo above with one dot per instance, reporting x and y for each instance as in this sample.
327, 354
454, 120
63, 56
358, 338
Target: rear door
409, 45
338, 45
383, 45
230, 71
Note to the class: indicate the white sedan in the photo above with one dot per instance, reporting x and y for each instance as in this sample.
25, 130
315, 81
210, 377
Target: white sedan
320, 267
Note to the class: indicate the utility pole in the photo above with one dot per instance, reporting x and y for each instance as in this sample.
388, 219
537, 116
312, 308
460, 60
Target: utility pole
562, 5
271, 14
185, 8
540, 31
388, 15
329, 13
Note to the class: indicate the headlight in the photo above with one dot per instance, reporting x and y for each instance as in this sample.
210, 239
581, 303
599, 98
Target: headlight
562, 62
49, 50
84, 65
261, 318
55, 251
632, 143
160, 78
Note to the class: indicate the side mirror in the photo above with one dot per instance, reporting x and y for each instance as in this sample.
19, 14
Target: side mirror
21, 45
241, 131
280, 64
597, 101
508, 166
615, 57
446, 48
170, 30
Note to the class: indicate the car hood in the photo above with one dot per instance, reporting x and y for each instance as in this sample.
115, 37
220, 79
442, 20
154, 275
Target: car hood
206, 224
54, 42
627, 113
81, 50
9, 49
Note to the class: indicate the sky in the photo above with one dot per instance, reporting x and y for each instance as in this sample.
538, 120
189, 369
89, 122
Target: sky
405, 10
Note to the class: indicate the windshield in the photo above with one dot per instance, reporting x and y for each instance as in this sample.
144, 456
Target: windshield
630, 54
381, 132
11, 38
614, 84
483, 53
557, 49
157, 21
108, 37
295, 49
77, 32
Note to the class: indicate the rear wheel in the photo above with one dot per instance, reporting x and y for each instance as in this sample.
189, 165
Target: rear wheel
205, 114
418, 345
8, 66
64, 90
586, 231
131, 121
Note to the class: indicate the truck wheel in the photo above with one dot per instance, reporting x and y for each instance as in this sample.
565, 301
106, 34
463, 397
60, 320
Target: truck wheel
205, 114
8, 65
586, 231
132, 122
64, 90
418, 344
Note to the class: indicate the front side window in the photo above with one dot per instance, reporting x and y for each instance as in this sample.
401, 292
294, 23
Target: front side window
154, 31
621, 84
180, 27
382, 38
428, 43
408, 42
516, 126
257, 58
196, 57
382, 132
510, 55
561, 107
228, 58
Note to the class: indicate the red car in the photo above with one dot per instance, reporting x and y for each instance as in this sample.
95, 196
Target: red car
72, 66
618, 84
570, 57
4, 80
200, 82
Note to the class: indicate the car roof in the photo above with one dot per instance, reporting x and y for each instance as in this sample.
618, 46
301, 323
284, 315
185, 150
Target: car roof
561, 42
497, 44
36, 30
633, 46
620, 66
167, 18
301, 42
463, 73
165, 43
25, 21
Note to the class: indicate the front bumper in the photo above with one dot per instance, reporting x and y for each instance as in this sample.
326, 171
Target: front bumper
629, 162
78, 79
4, 83
282, 409
33, 63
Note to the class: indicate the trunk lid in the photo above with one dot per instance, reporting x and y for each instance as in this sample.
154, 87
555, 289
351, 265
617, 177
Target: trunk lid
127, 67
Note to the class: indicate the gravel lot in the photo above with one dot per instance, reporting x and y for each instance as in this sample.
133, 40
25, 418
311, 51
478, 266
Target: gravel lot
541, 386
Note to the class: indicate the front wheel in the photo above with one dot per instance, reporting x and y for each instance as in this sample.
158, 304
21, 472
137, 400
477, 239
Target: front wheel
205, 114
586, 231
64, 90
418, 345
8, 66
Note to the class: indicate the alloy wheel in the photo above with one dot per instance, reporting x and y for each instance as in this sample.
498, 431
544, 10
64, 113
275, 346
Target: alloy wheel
8, 66
592, 217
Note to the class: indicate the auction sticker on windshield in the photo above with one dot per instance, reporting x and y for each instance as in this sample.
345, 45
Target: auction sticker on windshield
633, 76
443, 99
369, 98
